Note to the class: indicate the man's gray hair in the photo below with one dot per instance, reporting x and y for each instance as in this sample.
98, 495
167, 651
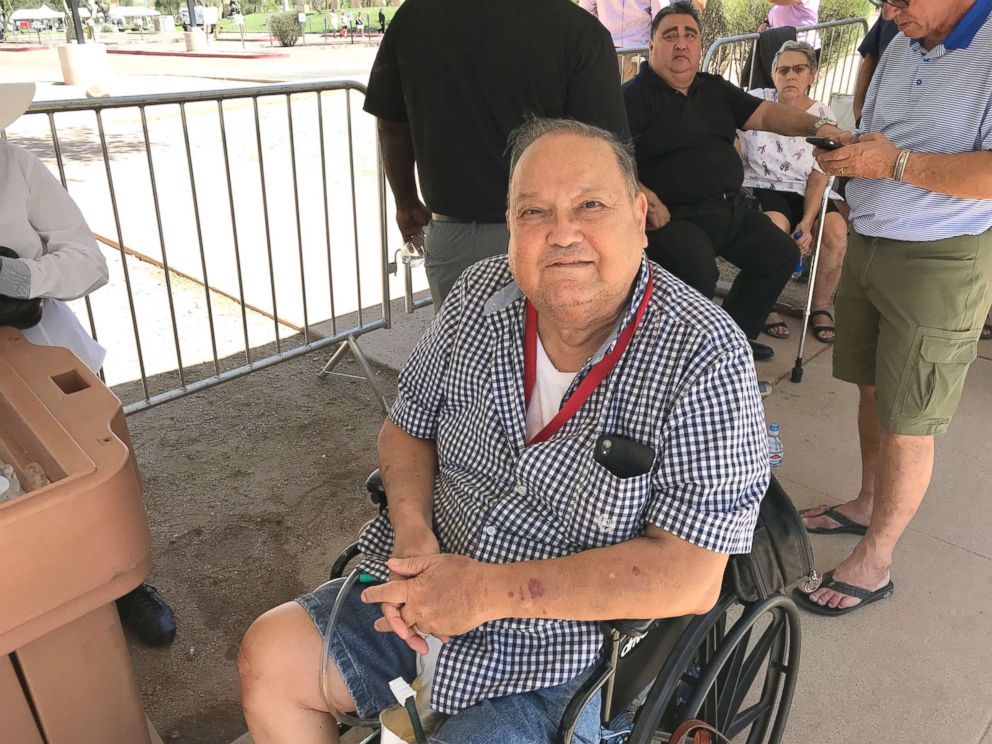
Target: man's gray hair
535, 128
796, 46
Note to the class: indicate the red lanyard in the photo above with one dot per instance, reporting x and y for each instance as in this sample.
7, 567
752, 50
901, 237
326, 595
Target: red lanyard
596, 375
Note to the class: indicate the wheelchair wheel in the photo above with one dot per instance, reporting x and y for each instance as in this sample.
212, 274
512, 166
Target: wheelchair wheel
739, 680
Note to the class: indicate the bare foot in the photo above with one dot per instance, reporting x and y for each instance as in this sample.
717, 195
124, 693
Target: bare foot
815, 518
858, 571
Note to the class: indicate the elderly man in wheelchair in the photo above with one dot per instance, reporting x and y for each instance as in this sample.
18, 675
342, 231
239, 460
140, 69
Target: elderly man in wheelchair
578, 438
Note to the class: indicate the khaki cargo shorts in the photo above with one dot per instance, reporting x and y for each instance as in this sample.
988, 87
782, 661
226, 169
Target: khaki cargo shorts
909, 315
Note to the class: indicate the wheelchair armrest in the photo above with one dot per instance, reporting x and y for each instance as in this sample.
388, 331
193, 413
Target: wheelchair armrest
377, 492
631, 628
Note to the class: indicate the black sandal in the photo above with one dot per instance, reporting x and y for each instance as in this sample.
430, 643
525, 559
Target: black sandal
867, 596
770, 327
819, 332
986, 332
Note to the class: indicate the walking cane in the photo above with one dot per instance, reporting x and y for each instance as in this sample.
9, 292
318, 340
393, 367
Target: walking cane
797, 369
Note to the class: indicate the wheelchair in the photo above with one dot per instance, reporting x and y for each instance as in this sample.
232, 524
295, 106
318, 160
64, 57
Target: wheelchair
735, 668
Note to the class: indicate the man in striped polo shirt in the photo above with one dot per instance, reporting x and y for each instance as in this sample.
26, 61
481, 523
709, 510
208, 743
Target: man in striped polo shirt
917, 278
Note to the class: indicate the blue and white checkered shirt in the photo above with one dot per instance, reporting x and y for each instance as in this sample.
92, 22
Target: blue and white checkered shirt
685, 386
937, 102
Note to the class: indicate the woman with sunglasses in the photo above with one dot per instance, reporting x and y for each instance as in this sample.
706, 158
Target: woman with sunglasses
782, 174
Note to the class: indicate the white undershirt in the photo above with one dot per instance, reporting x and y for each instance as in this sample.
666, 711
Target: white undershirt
550, 387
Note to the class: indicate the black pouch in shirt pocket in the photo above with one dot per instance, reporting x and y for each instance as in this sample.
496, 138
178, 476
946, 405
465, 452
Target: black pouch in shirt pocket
623, 457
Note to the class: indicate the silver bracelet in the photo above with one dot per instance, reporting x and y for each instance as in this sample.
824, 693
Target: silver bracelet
900, 167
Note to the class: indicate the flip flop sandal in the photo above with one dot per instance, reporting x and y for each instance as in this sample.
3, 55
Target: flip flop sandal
865, 595
769, 328
844, 526
820, 331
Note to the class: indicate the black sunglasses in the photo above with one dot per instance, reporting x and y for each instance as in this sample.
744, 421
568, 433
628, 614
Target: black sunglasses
798, 69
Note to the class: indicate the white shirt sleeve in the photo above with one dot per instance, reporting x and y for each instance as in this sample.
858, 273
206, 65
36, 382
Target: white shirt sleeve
71, 264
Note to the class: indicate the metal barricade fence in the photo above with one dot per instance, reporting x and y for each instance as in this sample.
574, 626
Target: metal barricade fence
629, 59
269, 216
839, 60
248, 227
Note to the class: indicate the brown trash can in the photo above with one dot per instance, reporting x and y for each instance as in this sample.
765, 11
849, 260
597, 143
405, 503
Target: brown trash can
67, 551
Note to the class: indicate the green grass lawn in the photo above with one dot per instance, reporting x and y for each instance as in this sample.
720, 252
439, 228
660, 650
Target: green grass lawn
259, 22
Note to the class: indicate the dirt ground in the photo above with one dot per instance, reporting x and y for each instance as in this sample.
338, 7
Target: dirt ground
251, 488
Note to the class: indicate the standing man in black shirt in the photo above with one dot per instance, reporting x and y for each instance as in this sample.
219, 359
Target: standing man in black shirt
875, 43
684, 125
451, 80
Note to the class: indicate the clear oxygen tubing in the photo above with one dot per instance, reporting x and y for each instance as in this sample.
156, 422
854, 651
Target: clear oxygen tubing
410, 705
329, 633
331, 622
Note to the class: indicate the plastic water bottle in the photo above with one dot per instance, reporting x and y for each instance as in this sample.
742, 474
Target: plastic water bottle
776, 450
799, 266
412, 252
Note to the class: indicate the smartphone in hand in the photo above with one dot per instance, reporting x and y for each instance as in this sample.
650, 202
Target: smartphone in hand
824, 143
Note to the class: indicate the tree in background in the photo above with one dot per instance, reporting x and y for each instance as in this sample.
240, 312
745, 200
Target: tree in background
169, 7
285, 27
6, 8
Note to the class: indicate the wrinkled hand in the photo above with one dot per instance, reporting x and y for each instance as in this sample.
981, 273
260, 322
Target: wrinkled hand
411, 221
805, 240
658, 214
836, 134
872, 156
408, 545
441, 595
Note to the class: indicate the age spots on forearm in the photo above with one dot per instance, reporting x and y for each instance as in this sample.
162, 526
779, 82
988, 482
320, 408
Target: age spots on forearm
536, 588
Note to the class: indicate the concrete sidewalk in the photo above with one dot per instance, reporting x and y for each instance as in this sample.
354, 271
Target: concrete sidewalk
913, 668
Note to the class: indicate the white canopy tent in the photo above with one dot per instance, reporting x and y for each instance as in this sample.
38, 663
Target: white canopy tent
44, 13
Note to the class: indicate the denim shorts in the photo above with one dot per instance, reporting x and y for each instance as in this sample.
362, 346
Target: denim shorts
368, 659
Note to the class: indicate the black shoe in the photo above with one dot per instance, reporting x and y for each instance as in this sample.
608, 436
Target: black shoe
761, 352
145, 612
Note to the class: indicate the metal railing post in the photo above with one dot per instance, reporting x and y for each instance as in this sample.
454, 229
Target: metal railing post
250, 274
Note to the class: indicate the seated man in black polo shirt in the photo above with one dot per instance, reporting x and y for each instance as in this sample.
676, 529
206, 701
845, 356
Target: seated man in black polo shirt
684, 125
